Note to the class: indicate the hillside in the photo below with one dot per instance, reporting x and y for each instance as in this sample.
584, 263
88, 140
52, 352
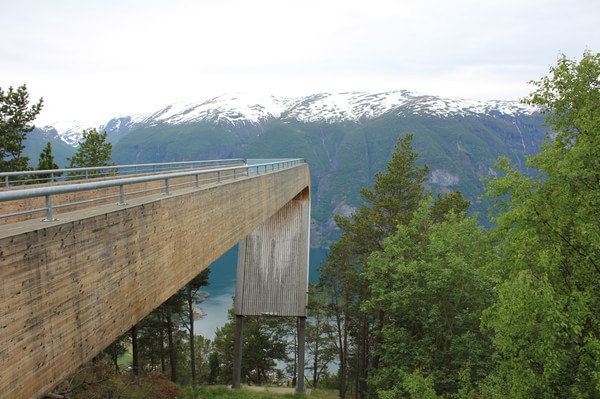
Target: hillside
37, 139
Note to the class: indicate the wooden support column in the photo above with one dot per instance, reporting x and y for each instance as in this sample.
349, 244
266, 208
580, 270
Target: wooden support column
300, 366
237, 352
272, 274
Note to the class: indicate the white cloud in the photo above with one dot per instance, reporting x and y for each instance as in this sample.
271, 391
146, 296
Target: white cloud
92, 60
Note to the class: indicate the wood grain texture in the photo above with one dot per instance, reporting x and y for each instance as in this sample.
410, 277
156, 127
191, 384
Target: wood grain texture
69, 288
272, 272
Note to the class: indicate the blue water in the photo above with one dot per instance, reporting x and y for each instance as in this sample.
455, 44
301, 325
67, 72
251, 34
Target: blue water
221, 289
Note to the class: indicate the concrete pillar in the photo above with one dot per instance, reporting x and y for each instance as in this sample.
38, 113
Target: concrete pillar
237, 352
300, 366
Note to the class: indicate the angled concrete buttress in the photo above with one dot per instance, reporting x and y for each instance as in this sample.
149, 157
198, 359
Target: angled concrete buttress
272, 275
70, 287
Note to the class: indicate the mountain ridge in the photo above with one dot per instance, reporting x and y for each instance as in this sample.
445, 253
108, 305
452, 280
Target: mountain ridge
243, 109
345, 137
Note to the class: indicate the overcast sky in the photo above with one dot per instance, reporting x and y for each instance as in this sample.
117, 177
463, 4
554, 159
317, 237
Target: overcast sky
92, 60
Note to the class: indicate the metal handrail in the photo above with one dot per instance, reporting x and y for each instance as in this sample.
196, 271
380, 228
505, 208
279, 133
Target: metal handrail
49, 191
111, 169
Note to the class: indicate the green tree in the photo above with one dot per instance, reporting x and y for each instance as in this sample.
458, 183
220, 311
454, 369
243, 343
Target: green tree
214, 367
117, 349
546, 323
447, 205
93, 150
46, 162
191, 293
320, 334
151, 341
265, 343
203, 350
414, 386
432, 280
16, 116
395, 195
172, 308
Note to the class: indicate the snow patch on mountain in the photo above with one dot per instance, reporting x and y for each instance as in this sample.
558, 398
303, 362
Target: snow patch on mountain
352, 106
70, 132
232, 109
447, 107
243, 109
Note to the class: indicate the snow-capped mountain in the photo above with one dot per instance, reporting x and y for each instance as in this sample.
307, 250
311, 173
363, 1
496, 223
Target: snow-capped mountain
239, 110
68, 131
345, 137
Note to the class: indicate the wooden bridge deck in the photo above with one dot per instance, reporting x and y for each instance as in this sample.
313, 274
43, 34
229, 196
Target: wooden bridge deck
68, 288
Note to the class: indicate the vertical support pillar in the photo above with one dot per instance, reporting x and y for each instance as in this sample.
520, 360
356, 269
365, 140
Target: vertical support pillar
237, 352
272, 274
300, 367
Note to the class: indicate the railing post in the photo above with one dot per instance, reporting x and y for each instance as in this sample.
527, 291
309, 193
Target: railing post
167, 192
233, 173
49, 213
6, 183
86, 174
52, 177
197, 181
218, 176
122, 195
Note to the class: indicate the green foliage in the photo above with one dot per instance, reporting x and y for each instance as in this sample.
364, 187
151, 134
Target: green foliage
46, 162
117, 349
16, 116
546, 322
430, 279
391, 201
265, 344
447, 205
94, 150
414, 386
397, 192
320, 335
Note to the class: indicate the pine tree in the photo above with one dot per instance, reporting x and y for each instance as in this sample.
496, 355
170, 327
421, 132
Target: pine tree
15, 122
392, 200
191, 292
46, 162
94, 150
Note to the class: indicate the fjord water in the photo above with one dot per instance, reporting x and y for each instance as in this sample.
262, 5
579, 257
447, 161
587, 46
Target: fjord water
221, 289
